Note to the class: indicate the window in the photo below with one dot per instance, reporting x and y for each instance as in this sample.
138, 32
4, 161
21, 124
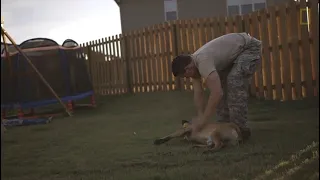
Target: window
246, 8
171, 15
233, 10
170, 10
258, 6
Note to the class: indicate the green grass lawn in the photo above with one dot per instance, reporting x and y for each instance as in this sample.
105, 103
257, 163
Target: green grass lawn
100, 143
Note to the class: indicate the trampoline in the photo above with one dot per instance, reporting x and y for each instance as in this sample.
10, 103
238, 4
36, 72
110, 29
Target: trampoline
63, 67
69, 43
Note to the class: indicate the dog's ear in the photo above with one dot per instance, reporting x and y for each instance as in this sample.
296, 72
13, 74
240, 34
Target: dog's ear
184, 121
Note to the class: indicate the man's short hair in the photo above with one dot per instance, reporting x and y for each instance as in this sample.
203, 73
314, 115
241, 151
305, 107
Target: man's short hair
179, 63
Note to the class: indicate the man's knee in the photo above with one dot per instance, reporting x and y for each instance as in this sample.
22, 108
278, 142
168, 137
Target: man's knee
237, 96
238, 109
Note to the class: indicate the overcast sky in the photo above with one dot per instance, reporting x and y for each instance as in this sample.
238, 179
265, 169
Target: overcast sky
80, 20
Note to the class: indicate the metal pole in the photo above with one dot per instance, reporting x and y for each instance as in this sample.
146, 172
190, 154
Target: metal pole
36, 70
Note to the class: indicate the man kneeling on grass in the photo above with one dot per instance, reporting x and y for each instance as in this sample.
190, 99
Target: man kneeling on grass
227, 64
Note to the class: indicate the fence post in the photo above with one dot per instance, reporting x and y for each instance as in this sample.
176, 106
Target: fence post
88, 47
175, 48
91, 71
89, 60
126, 40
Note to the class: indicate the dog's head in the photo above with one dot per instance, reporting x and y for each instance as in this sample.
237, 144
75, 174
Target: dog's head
185, 124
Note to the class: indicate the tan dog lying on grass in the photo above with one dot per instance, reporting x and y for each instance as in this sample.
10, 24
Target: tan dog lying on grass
212, 135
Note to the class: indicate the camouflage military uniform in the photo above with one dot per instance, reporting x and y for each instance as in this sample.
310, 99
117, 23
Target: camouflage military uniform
235, 81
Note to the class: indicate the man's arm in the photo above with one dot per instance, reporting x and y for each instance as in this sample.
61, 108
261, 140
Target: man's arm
214, 85
198, 96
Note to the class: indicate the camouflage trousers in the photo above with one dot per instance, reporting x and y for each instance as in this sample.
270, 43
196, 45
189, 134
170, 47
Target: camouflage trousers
233, 107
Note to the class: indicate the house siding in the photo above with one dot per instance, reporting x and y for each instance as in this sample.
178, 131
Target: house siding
136, 14
276, 2
188, 9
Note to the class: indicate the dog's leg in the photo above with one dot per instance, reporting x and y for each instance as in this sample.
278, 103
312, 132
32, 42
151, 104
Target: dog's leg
210, 143
237, 129
200, 146
234, 138
179, 133
216, 139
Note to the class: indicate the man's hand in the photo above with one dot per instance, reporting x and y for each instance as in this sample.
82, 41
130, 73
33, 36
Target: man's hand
214, 85
197, 124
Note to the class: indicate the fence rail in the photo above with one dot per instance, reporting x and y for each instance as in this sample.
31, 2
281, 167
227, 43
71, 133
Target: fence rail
140, 61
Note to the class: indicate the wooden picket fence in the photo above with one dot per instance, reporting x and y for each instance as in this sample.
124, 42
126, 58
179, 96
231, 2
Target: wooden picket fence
140, 61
